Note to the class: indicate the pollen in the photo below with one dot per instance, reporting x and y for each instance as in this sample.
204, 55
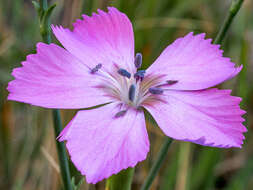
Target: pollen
155, 90
131, 92
96, 68
124, 73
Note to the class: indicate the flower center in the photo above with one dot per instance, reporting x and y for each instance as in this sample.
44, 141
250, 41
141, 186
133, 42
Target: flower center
131, 89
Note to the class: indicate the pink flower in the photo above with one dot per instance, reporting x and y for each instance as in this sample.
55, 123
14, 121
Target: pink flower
98, 66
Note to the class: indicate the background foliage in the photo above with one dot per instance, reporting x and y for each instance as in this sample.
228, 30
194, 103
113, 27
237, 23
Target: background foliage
28, 158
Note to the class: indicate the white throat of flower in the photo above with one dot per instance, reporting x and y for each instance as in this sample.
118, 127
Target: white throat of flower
131, 89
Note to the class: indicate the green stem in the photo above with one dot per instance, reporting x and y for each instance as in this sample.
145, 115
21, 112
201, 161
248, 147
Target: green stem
62, 154
122, 180
233, 10
44, 15
158, 163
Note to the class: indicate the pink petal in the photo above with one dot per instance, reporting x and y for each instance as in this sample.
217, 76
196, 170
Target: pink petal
53, 78
195, 63
101, 145
208, 117
105, 38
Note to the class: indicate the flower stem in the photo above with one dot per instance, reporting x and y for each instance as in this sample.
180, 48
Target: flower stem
122, 180
63, 159
234, 8
44, 14
158, 163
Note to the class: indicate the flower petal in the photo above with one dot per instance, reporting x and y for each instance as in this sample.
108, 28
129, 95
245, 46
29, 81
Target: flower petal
53, 78
105, 38
101, 144
195, 63
208, 117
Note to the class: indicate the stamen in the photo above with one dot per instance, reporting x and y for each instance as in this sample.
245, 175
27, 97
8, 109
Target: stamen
139, 75
96, 68
155, 90
170, 82
120, 113
138, 60
124, 73
131, 92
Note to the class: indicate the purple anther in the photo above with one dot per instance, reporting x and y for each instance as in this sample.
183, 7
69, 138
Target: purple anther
131, 92
120, 113
171, 82
138, 60
155, 90
96, 68
124, 73
139, 75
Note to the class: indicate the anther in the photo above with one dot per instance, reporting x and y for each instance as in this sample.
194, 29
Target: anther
155, 90
139, 75
171, 82
124, 73
131, 92
120, 113
138, 60
96, 68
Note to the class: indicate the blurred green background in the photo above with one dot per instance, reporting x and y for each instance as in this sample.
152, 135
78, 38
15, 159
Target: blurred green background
28, 158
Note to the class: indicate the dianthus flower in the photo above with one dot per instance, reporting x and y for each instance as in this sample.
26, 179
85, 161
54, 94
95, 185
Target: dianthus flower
99, 67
